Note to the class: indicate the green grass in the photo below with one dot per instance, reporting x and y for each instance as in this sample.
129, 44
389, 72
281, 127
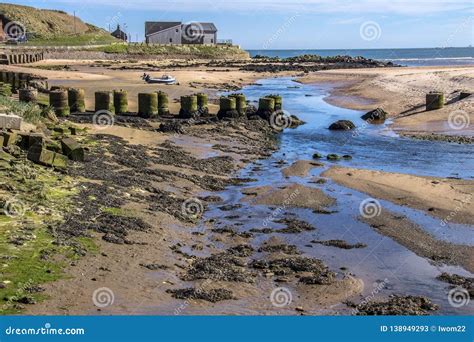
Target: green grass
204, 51
84, 39
29, 112
118, 212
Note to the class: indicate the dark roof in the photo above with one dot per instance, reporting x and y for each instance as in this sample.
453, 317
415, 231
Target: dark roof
156, 26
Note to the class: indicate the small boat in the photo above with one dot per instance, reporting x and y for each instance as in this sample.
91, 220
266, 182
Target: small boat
165, 79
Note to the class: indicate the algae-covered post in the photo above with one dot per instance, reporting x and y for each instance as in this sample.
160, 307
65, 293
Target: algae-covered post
241, 103
28, 95
163, 102
266, 107
434, 100
278, 101
202, 102
104, 101
76, 100
148, 105
58, 100
227, 108
121, 101
189, 107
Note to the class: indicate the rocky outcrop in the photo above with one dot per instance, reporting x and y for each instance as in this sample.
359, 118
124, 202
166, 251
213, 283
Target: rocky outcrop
342, 125
375, 115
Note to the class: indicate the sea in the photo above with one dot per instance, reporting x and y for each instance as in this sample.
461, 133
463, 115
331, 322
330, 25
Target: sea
405, 57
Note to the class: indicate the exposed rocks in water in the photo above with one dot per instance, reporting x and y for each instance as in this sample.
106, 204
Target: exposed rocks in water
222, 266
230, 207
314, 270
340, 244
333, 157
287, 249
317, 155
375, 116
211, 199
342, 125
308, 63
294, 226
262, 230
212, 295
241, 251
397, 306
457, 280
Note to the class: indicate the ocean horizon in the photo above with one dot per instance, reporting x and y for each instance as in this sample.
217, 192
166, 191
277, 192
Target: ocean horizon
402, 56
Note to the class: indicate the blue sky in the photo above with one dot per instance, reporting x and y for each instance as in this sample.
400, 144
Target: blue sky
305, 24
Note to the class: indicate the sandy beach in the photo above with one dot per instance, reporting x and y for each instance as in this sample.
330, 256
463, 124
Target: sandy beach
143, 234
401, 92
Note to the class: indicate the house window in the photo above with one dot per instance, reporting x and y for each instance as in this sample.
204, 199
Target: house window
177, 30
171, 40
212, 41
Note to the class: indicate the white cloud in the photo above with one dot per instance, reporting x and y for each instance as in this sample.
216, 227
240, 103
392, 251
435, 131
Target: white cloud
403, 7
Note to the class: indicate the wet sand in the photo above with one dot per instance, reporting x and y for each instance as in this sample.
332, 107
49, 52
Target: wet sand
450, 200
413, 237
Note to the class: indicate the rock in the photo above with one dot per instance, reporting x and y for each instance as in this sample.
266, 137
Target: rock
347, 157
317, 155
72, 149
375, 115
333, 156
9, 138
10, 121
42, 156
295, 121
172, 126
342, 125
35, 139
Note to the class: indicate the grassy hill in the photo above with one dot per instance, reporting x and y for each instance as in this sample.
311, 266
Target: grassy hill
51, 27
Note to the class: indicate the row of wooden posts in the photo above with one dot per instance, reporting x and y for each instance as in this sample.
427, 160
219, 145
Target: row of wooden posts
16, 80
72, 100
21, 58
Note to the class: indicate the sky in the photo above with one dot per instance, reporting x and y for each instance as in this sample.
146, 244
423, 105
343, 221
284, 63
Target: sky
297, 24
